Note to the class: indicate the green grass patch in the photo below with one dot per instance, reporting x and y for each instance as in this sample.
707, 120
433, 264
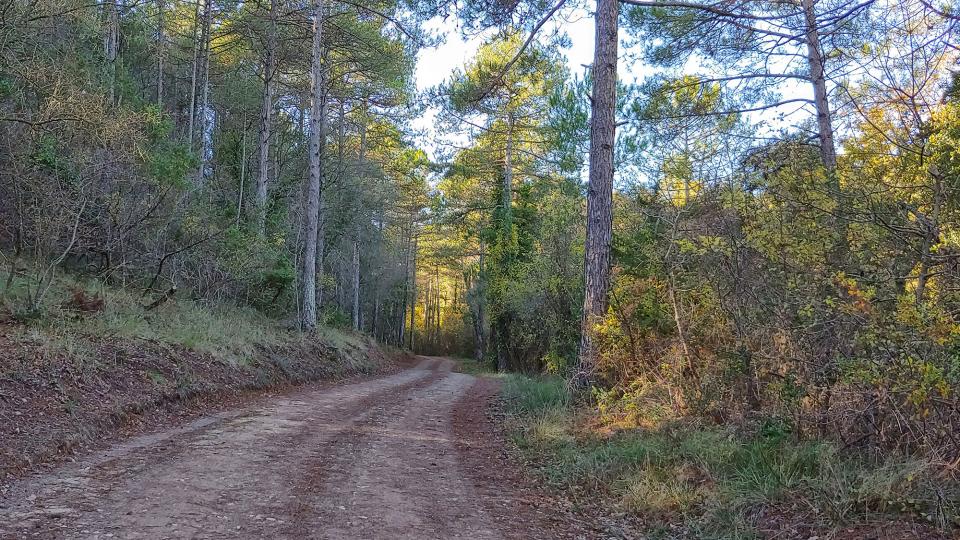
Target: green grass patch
527, 396
231, 333
472, 366
713, 481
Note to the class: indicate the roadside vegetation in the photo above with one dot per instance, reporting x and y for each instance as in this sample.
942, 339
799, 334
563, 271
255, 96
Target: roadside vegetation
77, 309
691, 478
93, 361
472, 366
744, 261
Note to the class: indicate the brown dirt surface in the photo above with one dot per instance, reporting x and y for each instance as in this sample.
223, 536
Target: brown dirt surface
53, 407
485, 452
412, 454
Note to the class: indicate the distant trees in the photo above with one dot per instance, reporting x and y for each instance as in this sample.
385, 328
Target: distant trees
500, 195
502, 95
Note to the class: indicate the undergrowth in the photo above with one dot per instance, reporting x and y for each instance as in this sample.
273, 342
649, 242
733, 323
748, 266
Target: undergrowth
94, 359
474, 367
229, 333
709, 481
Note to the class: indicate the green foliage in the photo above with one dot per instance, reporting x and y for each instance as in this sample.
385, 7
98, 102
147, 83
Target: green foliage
532, 396
280, 276
46, 154
473, 367
568, 124
335, 317
7, 85
168, 161
526, 294
485, 85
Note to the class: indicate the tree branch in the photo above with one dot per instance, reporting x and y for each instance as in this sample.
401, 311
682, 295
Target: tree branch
734, 111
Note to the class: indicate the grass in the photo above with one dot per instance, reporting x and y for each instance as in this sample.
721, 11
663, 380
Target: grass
472, 366
213, 329
225, 331
713, 481
528, 396
229, 333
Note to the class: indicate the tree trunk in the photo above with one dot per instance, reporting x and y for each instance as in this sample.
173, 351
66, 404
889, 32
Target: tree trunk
206, 135
321, 218
195, 72
438, 298
508, 172
356, 283
688, 368
401, 335
266, 111
375, 322
597, 259
356, 236
828, 148
427, 311
507, 224
931, 235
243, 171
413, 294
161, 51
308, 296
111, 47
503, 338
479, 322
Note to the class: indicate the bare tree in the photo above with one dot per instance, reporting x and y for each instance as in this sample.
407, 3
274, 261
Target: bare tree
161, 50
266, 110
308, 296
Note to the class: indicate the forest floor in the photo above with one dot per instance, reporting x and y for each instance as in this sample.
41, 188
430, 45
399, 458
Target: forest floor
410, 454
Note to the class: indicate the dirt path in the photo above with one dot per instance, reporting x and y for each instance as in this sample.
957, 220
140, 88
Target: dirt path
401, 456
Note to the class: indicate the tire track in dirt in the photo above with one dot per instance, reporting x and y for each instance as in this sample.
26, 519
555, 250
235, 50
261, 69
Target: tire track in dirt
213, 478
378, 459
398, 476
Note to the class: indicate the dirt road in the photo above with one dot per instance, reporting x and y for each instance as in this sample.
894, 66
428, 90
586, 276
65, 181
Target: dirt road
409, 455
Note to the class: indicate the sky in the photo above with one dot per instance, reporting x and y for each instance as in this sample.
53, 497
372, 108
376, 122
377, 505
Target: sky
436, 64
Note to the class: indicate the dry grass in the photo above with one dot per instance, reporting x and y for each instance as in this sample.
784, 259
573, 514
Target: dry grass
711, 481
